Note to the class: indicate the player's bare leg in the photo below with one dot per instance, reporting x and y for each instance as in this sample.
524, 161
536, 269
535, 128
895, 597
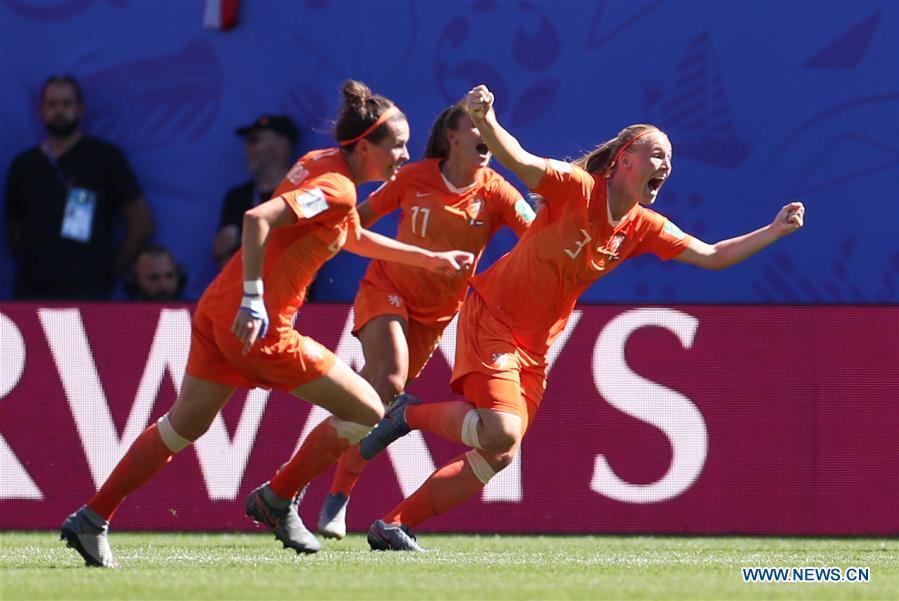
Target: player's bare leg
197, 404
386, 368
355, 407
495, 436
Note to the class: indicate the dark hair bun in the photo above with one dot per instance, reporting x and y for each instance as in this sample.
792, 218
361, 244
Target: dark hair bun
355, 94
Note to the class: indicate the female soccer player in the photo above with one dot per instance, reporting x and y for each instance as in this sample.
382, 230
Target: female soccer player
451, 199
595, 217
311, 216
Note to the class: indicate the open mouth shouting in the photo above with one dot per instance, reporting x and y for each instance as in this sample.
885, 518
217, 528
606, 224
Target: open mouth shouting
655, 183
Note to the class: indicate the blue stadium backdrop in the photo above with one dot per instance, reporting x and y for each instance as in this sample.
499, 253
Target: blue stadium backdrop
765, 102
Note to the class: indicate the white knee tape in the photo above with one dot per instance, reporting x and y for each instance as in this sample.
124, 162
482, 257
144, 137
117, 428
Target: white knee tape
470, 429
479, 466
174, 441
351, 431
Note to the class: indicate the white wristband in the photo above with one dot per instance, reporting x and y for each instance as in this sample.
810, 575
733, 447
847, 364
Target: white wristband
252, 287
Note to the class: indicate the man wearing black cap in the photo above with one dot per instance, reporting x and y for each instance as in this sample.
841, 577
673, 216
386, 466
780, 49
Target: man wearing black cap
269, 144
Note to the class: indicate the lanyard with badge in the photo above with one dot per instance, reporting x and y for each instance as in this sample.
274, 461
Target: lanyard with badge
81, 205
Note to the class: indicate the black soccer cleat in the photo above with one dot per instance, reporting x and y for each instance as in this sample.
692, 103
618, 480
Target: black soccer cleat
392, 537
391, 427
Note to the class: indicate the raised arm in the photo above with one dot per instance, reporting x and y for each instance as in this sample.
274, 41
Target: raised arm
734, 250
375, 246
527, 167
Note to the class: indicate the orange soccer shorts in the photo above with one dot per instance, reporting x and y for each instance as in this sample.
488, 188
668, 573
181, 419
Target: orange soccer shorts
290, 361
491, 369
376, 299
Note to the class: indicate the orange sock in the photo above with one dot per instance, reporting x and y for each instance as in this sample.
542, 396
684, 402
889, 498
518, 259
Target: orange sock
349, 467
444, 419
447, 487
320, 449
146, 456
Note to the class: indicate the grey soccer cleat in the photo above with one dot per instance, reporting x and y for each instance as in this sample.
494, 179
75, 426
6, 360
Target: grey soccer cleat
392, 426
332, 518
284, 522
392, 537
86, 532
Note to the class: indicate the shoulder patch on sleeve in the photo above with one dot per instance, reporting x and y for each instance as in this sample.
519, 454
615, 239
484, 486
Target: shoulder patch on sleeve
560, 166
524, 210
312, 202
297, 173
673, 230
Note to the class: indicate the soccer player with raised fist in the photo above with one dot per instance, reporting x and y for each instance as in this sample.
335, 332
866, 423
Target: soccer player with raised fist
595, 216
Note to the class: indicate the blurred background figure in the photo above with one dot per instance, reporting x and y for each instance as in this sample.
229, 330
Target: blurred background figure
156, 276
62, 201
269, 145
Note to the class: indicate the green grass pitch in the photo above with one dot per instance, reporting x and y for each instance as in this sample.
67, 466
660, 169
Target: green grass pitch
35, 565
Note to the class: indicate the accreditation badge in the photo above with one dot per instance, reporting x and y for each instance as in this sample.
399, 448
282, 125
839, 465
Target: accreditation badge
78, 219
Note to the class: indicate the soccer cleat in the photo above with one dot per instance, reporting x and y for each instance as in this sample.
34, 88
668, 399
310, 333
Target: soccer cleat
332, 518
392, 537
285, 523
86, 532
392, 426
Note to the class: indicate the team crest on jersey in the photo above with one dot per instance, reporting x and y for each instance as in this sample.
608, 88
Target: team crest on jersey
474, 212
297, 174
611, 249
394, 300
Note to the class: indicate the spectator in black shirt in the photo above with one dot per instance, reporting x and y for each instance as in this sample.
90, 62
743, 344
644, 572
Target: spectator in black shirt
62, 199
269, 144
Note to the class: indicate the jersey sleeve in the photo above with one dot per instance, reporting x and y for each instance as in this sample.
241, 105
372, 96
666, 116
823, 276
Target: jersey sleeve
663, 238
516, 213
326, 199
563, 183
388, 196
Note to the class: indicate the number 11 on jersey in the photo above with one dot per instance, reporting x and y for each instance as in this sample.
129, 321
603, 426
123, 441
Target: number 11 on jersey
425, 213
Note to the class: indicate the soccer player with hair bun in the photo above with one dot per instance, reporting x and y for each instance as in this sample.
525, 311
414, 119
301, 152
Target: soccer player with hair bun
595, 217
450, 199
234, 343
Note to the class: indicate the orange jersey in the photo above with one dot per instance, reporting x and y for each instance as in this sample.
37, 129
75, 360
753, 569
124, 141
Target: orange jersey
438, 216
320, 191
533, 288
